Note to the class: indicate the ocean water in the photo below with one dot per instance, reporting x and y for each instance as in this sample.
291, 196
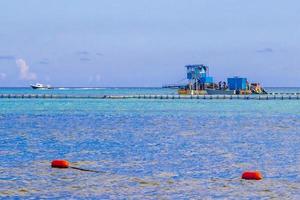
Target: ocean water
148, 148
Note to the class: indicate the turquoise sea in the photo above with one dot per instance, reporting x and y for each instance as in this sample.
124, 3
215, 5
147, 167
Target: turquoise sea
148, 148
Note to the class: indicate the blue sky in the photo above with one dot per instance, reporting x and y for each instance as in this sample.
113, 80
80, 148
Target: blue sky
147, 42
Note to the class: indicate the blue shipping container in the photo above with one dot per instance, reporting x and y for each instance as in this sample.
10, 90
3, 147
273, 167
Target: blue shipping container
207, 79
237, 83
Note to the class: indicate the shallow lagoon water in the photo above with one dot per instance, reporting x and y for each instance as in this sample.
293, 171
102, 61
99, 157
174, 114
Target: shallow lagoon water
149, 149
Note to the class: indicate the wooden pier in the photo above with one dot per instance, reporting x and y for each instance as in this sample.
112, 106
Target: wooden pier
271, 96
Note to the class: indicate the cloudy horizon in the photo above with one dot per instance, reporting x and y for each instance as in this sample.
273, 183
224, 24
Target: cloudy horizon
147, 43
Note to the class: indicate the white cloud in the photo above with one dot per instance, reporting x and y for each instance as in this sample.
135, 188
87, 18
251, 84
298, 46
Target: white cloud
98, 78
25, 73
91, 79
95, 79
2, 76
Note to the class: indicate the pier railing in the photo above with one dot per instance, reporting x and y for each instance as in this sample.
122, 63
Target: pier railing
271, 96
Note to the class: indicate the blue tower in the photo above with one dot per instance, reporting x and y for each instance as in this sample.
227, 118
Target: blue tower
198, 76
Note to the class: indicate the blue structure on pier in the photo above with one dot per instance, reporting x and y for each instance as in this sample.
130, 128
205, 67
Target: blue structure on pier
198, 74
237, 83
199, 82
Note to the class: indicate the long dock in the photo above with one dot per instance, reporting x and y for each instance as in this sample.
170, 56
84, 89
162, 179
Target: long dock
271, 96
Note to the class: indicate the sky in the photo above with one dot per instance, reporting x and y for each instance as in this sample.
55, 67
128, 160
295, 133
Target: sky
102, 43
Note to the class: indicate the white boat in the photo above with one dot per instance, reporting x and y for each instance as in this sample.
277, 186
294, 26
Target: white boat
40, 86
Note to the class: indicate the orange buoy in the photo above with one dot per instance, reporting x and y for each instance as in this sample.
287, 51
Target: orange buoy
252, 175
60, 164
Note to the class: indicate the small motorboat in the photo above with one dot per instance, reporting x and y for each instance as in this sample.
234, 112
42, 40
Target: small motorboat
40, 86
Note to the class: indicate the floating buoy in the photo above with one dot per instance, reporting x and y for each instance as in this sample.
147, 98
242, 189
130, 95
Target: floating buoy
252, 175
60, 164
66, 164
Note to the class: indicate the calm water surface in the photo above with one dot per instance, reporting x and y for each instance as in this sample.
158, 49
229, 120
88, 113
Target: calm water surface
149, 149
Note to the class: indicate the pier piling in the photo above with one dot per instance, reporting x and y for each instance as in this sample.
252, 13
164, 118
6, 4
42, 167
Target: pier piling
271, 96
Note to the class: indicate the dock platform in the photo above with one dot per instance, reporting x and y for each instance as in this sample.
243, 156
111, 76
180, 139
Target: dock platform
271, 96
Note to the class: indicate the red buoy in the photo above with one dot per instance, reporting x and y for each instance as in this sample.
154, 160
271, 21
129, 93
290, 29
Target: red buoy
60, 164
252, 175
